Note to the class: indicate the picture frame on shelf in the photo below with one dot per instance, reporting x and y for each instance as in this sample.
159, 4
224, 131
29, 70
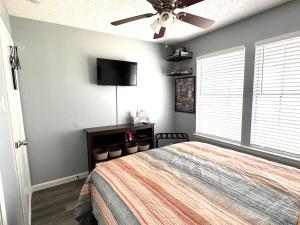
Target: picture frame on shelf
185, 94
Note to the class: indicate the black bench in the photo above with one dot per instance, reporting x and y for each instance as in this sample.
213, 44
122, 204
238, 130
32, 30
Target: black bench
177, 136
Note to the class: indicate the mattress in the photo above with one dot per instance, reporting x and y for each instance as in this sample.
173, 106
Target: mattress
190, 183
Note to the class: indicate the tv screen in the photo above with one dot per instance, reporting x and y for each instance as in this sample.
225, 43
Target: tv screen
117, 73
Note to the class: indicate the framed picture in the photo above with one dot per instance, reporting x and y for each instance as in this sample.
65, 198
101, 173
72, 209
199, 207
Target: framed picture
185, 95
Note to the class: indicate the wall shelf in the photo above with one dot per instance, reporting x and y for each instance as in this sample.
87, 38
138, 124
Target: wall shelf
180, 72
178, 55
178, 58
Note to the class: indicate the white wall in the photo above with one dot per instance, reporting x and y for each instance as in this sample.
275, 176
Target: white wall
59, 91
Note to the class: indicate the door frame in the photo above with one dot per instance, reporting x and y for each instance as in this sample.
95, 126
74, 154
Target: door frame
4, 31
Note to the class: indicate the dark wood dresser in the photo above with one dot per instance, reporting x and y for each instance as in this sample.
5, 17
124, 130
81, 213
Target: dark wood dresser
117, 135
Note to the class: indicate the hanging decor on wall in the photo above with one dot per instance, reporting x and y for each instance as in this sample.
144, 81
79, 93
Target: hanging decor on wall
185, 94
15, 64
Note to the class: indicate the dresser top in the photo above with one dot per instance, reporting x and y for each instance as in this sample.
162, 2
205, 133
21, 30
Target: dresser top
118, 127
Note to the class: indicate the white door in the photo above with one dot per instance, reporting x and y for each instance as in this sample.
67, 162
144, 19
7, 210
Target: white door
3, 220
17, 127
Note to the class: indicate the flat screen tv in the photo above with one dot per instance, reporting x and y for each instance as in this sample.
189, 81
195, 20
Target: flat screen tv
116, 73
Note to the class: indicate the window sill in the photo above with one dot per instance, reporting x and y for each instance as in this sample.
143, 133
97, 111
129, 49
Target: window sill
280, 157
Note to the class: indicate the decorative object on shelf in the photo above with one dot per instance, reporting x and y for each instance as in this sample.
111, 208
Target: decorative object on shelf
133, 119
141, 136
143, 116
129, 136
143, 146
185, 94
180, 54
140, 117
100, 154
181, 72
132, 148
15, 64
114, 151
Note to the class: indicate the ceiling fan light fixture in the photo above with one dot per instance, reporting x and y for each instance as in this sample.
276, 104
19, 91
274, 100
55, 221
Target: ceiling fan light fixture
167, 16
166, 19
156, 26
176, 25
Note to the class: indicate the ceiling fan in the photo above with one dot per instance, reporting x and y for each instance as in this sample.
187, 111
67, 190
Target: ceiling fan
167, 16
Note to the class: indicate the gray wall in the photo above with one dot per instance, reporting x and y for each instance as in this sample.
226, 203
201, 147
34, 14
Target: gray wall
60, 96
281, 20
7, 162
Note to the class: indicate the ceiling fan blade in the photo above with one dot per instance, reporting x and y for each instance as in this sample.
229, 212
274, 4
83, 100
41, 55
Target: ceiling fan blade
155, 2
186, 3
130, 19
195, 20
35, 1
160, 34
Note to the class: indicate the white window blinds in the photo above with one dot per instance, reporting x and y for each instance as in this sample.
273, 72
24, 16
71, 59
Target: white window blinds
220, 81
276, 96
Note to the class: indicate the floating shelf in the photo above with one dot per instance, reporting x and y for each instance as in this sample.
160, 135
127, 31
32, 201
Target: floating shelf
180, 56
180, 72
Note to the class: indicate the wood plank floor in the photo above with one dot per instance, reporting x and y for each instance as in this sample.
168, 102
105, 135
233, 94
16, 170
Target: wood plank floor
55, 206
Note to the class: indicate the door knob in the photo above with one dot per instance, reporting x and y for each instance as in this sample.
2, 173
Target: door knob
18, 144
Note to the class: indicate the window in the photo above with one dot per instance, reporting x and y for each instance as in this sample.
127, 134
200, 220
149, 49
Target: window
220, 82
276, 96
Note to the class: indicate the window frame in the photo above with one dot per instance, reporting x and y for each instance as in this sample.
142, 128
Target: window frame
259, 44
244, 145
212, 54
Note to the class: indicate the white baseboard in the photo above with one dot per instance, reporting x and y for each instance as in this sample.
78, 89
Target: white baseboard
54, 183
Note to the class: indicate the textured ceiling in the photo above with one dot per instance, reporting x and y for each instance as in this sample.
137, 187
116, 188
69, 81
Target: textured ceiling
96, 15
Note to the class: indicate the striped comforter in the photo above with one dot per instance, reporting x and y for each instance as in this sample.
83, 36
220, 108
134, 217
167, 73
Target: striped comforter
191, 183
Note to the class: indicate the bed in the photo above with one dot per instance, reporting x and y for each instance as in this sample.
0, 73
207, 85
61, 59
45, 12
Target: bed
190, 183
